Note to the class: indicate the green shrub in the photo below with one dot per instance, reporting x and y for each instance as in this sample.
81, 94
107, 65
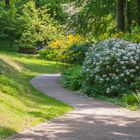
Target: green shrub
75, 54
48, 54
132, 37
130, 99
71, 78
137, 96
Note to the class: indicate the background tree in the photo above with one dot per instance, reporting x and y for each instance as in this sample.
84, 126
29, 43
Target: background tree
97, 18
128, 15
91, 17
120, 16
138, 12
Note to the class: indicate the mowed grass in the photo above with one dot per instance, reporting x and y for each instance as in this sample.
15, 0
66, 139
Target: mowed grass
21, 105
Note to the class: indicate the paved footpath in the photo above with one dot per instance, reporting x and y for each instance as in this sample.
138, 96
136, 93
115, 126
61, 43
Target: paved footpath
91, 119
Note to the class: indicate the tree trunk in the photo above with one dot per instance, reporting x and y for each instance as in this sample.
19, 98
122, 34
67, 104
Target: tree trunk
128, 16
120, 16
7, 3
138, 12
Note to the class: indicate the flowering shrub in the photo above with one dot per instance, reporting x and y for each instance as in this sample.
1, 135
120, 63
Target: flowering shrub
66, 42
64, 46
111, 68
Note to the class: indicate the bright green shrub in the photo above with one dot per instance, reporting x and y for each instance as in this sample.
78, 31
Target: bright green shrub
137, 96
130, 99
71, 78
111, 68
133, 37
48, 54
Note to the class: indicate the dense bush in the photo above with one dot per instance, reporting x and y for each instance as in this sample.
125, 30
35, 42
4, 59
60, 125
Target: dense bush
111, 68
9, 24
75, 54
48, 54
130, 99
71, 78
133, 37
70, 49
137, 96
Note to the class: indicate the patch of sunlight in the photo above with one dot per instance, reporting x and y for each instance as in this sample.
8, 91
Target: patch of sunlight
12, 63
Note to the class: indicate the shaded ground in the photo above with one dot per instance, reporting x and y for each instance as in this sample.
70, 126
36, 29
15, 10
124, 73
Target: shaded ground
91, 119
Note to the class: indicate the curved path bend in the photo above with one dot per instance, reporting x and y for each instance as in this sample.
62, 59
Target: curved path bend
91, 119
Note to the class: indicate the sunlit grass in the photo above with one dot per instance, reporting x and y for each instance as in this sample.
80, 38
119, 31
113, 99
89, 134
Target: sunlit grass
21, 106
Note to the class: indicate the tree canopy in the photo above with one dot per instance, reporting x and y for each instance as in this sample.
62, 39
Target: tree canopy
37, 22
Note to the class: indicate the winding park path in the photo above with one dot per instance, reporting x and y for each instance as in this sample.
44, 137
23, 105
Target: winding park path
91, 119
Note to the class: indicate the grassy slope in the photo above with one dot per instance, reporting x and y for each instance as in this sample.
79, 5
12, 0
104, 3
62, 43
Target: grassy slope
21, 106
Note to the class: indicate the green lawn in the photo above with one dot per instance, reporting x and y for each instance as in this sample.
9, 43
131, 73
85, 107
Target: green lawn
22, 106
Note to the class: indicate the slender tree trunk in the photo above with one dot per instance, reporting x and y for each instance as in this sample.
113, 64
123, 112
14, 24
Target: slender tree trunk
120, 15
128, 16
138, 12
7, 3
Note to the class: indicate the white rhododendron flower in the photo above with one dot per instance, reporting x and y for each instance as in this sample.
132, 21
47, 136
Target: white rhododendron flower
113, 64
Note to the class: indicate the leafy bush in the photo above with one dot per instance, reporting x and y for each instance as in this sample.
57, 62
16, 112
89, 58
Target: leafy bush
133, 37
75, 54
9, 24
71, 78
111, 67
137, 96
48, 54
130, 99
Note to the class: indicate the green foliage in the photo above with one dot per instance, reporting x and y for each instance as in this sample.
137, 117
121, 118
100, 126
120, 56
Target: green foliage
130, 99
75, 54
95, 17
38, 28
68, 49
27, 25
55, 9
132, 37
137, 96
49, 54
71, 78
8, 23
72, 55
